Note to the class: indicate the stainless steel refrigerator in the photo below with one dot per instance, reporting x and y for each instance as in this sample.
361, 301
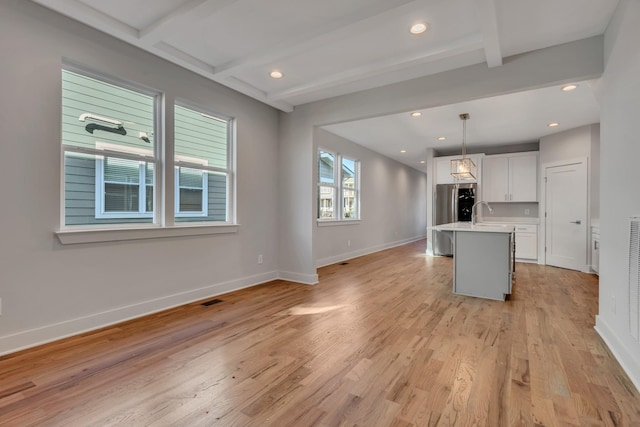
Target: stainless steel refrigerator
453, 203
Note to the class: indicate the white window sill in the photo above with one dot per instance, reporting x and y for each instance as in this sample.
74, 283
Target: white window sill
336, 222
72, 237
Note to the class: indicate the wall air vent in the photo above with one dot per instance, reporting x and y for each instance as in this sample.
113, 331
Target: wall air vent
634, 278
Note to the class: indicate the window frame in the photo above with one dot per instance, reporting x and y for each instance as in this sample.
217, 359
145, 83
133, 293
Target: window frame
142, 185
161, 157
338, 188
204, 198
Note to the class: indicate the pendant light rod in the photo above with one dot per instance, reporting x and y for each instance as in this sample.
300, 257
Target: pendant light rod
464, 117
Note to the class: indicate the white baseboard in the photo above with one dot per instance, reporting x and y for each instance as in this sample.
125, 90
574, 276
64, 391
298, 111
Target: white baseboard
627, 359
350, 255
307, 279
49, 333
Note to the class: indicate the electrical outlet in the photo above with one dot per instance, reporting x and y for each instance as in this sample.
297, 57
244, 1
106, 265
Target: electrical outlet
260, 259
348, 242
527, 211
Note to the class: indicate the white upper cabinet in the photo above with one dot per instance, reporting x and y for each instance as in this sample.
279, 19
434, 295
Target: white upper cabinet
510, 177
443, 168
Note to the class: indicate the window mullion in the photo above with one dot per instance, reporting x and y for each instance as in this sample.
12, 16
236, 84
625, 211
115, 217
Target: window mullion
142, 190
337, 172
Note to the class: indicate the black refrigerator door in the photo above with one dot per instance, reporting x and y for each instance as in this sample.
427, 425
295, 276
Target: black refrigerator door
466, 199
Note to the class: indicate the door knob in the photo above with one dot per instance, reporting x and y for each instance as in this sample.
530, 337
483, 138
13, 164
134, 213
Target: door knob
576, 222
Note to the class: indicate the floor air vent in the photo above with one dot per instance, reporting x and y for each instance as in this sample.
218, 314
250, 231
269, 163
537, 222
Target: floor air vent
211, 302
634, 278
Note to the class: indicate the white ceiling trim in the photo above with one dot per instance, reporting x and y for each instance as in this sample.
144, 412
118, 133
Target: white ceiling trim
462, 46
487, 17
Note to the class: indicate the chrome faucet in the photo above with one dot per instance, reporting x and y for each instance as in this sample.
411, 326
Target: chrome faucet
473, 211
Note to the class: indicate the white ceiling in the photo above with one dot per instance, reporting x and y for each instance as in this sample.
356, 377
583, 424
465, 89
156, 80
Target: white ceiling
517, 118
334, 47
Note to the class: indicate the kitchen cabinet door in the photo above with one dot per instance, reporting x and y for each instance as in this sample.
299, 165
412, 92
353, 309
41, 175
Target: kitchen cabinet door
510, 178
495, 179
527, 245
523, 178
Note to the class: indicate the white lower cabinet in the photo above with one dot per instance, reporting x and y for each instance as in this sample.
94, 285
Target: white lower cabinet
527, 242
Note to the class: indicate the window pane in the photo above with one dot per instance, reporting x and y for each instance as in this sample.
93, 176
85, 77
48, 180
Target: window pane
190, 200
95, 112
349, 204
348, 173
121, 197
121, 170
190, 178
81, 203
215, 198
325, 202
148, 173
201, 138
325, 168
149, 198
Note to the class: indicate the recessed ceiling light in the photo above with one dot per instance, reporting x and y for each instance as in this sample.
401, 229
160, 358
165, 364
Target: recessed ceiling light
553, 125
416, 114
441, 138
418, 28
569, 88
276, 74
403, 151
422, 162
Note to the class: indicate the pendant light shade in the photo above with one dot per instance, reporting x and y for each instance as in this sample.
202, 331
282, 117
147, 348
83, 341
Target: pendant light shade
464, 169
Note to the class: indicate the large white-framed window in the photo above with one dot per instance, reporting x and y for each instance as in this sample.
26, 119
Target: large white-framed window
203, 164
338, 186
109, 151
114, 172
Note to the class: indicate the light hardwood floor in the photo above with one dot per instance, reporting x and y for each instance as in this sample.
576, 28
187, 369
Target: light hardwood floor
380, 341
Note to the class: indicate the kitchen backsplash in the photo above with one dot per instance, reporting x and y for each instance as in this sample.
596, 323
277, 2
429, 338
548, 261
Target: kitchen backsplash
509, 210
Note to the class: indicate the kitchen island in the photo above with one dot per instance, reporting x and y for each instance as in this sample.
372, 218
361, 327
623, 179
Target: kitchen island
483, 258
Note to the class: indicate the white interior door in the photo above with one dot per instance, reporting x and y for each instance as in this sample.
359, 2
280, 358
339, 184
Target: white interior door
566, 215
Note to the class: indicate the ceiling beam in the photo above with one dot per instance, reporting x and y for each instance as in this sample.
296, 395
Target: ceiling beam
305, 43
186, 13
487, 15
82, 12
466, 45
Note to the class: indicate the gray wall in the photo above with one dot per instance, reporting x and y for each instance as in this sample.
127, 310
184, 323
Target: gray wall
619, 196
393, 205
49, 290
582, 142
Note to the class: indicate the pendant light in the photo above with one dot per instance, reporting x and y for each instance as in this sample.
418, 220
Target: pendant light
463, 169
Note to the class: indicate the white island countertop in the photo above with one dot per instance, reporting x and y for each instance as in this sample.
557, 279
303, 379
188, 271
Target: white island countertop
482, 227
